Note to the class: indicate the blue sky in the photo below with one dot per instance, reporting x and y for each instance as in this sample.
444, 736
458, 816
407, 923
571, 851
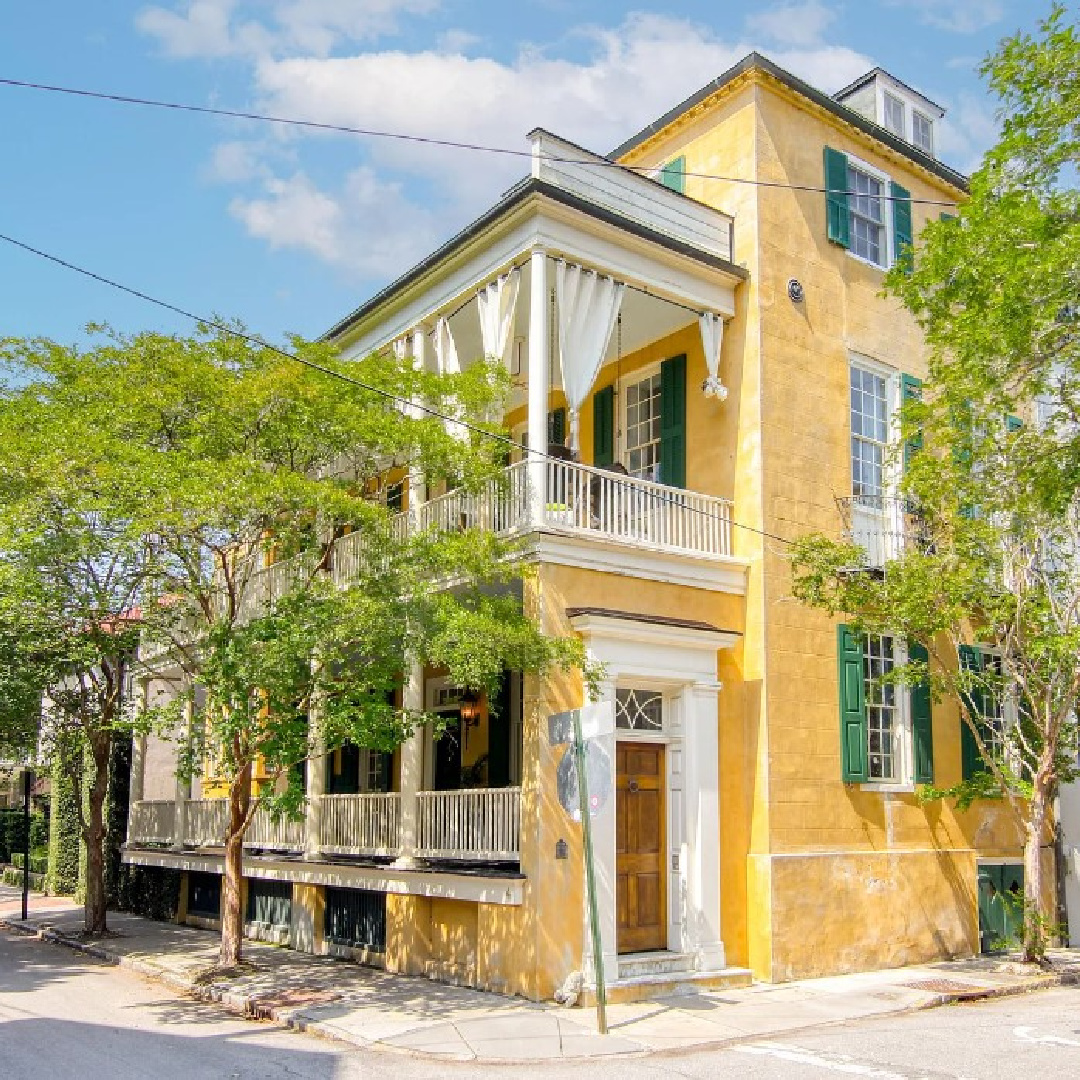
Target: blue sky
289, 231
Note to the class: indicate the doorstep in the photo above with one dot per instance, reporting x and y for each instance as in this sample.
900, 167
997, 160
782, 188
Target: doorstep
662, 975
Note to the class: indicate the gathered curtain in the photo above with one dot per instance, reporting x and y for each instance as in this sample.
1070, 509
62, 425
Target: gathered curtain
712, 338
446, 358
588, 307
496, 304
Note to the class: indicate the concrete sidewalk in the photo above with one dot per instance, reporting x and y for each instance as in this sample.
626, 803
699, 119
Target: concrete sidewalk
395, 1012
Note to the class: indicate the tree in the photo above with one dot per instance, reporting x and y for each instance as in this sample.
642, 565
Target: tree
72, 571
291, 599
988, 581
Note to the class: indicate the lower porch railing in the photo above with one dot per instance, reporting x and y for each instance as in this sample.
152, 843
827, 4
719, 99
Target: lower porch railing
480, 824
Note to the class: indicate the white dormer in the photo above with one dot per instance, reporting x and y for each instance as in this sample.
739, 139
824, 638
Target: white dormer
894, 105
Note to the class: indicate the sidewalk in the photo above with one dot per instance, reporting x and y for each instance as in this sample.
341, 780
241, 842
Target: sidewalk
394, 1012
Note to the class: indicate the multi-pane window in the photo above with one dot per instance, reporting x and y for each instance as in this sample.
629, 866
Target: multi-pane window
639, 710
992, 707
869, 435
894, 114
922, 131
882, 714
643, 428
866, 206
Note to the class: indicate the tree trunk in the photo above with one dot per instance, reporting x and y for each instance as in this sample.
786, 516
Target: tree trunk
94, 910
1036, 917
232, 916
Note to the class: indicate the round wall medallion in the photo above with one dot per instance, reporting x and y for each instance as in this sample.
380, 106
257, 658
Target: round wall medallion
795, 290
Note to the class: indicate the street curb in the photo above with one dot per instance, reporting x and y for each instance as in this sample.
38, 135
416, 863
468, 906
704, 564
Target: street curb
249, 1007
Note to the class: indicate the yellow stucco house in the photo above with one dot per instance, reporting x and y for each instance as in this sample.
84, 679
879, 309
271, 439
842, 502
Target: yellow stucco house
697, 337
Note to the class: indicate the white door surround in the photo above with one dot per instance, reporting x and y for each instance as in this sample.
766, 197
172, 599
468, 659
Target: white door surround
678, 659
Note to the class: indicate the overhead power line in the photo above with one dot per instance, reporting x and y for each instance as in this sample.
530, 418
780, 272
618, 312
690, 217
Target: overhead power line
397, 399
374, 133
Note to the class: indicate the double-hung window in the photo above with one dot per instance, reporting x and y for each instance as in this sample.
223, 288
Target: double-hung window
886, 732
642, 427
866, 211
990, 706
866, 206
922, 131
871, 429
894, 115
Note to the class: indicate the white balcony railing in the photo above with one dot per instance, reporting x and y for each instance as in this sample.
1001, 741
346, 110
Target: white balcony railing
501, 506
280, 834
630, 195
361, 824
206, 822
152, 822
478, 823
883, 526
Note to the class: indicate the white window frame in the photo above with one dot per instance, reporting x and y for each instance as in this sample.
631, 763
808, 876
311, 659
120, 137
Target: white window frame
903, 736
887, 216
890, 475
929, 149
890, 99
623, 383
1008, 710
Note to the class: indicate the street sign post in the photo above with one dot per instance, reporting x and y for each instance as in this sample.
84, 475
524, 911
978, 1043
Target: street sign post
571, 727
28, 780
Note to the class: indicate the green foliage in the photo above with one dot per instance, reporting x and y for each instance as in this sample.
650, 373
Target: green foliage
14, 878
64, 834
13, 835
149, 891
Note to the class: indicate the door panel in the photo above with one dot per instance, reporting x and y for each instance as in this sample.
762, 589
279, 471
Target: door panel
639, 847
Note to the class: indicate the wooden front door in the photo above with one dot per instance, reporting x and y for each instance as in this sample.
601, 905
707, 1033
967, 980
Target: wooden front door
639, 847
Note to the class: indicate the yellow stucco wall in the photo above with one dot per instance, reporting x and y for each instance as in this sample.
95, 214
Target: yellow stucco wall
829, 868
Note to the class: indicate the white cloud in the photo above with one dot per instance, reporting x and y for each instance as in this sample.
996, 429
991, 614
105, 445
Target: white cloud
368, 227
969, 129
214, 28
960, 16
236, 162
797, 24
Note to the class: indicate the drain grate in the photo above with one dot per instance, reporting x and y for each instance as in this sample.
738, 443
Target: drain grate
264, 1007
946, 986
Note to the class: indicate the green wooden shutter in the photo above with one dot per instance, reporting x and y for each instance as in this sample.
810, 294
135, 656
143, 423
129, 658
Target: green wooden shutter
673, 174
922, 722
604, 427
673, 422
911, 390
853, 738
902, 229
971, 761
556, 427
1013, 423
946, 217
499, 726
838, 227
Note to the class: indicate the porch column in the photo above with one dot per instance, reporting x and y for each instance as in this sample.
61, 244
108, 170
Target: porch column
701, 923
137, 778
604, 849
315, 777
417, 492
539, 353
412, 771
183, 787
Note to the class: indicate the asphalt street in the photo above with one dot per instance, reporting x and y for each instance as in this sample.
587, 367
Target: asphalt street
62, 1014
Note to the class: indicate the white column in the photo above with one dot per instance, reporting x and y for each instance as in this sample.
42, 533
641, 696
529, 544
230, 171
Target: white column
137, 778
183, 787
412, 770
539, 353
417, 487
701, 924
604, 846
316, 780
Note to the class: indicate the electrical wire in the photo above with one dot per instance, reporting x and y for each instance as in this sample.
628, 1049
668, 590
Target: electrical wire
374, 133
388, 395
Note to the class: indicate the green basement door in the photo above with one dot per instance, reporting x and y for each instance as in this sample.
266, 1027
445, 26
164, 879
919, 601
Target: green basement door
1001, 905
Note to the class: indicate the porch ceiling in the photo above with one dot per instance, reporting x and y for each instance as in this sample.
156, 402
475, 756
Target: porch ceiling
656, 270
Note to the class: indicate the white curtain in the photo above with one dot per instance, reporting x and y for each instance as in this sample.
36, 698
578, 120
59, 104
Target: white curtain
496, 304
712, 338
588, 306
446, 357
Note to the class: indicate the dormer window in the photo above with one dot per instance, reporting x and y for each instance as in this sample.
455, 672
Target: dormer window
894, 115
922, 131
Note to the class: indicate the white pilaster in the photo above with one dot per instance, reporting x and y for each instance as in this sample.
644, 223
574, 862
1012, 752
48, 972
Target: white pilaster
412, 770
137, 778
701, 850
539, 352
417, 487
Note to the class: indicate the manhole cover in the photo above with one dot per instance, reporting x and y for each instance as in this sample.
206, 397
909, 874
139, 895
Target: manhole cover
264, 1007
945, 986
